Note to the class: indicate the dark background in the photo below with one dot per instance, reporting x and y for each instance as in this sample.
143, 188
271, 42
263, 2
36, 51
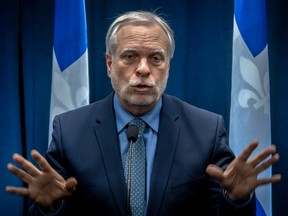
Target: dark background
200, 72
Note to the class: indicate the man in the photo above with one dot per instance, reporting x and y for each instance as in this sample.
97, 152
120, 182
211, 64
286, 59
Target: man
190, 169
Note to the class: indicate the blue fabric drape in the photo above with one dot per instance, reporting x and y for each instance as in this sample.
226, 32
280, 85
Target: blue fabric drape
200, 71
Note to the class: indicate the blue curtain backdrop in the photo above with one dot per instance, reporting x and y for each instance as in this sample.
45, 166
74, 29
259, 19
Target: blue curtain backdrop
200, 72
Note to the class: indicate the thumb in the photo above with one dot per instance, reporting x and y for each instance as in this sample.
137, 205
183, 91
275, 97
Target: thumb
214, 171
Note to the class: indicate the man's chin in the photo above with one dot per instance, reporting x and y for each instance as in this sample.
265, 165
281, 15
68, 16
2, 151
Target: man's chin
141, 99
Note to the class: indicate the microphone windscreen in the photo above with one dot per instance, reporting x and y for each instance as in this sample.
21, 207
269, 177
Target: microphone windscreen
132, 133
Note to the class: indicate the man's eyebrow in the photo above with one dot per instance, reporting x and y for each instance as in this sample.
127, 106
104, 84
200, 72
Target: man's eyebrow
137, 49
130, 49
159, 51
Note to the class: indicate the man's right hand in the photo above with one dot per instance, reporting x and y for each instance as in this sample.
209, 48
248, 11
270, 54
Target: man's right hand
45, 186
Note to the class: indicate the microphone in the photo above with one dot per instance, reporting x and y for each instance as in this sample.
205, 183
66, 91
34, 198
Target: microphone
132, 135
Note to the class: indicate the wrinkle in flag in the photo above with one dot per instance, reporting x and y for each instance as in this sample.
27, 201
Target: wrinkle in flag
250, 93
70, 78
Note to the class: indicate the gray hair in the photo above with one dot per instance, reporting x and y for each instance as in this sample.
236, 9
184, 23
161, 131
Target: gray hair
141, 18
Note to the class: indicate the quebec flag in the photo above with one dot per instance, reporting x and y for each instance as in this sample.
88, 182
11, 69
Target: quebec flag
70, 79
250, 96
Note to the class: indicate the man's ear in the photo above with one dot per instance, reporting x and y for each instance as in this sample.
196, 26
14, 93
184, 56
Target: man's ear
108, 64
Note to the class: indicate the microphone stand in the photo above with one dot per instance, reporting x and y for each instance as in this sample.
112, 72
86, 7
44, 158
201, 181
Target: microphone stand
129, 178
132, 135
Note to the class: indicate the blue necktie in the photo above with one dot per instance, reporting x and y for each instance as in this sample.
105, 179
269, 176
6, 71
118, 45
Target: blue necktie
138, 170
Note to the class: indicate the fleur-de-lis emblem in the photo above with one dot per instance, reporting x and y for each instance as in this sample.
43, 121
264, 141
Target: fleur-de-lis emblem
260, 93
63, 93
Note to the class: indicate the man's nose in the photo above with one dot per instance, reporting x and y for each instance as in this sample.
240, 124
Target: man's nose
143, 68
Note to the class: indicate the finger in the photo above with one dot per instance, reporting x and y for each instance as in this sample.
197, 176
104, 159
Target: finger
214, 171
42, 162
263, 155
71, 184
274, 179
24, 176
26, 165
246, 153
268, 163
21, 191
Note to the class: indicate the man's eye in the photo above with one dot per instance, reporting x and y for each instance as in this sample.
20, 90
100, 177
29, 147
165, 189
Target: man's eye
129, 57
156, 59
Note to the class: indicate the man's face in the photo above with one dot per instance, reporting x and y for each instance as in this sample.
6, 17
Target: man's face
139, 70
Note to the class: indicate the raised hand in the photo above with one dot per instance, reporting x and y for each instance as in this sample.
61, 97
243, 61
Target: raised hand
240, 177
45, 186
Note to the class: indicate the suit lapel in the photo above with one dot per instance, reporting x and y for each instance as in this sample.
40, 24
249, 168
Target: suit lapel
166, 144
106, 135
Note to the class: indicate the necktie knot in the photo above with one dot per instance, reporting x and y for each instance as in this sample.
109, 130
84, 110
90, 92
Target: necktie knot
140, 123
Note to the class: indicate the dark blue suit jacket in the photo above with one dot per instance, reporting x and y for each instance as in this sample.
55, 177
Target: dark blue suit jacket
85, 145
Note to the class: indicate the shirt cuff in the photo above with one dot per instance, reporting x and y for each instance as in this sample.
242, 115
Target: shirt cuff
56, 209
237, 203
